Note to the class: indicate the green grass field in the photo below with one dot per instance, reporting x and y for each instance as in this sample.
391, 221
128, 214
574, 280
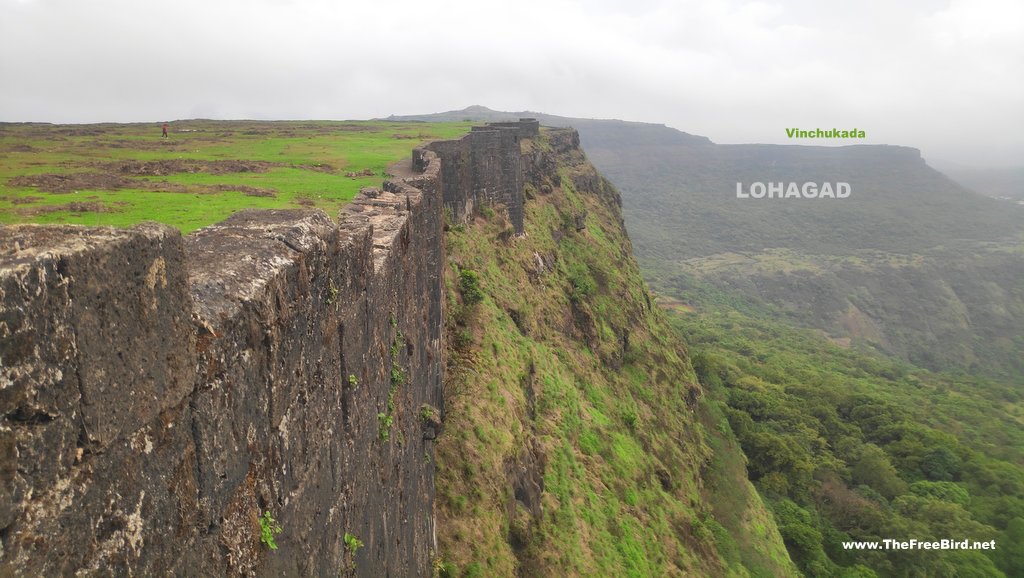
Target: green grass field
122, 174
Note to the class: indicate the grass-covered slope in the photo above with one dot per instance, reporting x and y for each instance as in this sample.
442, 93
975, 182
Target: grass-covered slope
202, 172
576, 441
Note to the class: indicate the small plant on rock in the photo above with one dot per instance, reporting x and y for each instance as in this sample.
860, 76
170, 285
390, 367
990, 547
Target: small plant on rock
428, 413
352, 543
268, 529
385, 421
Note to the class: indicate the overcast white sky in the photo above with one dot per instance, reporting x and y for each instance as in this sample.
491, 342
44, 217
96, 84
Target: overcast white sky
944, 76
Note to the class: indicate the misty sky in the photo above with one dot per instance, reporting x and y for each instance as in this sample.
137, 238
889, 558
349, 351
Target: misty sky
944, 76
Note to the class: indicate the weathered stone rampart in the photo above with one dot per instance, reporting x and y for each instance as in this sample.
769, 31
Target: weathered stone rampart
485, 168
160, 393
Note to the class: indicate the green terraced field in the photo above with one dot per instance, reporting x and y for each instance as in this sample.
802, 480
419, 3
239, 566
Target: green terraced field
121, 174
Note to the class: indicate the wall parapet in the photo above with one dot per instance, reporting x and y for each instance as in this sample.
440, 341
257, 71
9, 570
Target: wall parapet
485, 168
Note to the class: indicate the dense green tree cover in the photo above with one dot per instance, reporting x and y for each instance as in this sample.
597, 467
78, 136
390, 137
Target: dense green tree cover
846, 446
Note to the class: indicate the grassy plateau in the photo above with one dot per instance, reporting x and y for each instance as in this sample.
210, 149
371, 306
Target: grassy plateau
202, 172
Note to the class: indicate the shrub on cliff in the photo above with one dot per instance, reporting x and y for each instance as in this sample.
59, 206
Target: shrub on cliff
469, 286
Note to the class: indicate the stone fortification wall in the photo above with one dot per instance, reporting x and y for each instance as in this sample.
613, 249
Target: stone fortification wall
485, 168
159, 393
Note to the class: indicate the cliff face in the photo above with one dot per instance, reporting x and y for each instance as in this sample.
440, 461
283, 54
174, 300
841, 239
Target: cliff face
159, 395
573, 442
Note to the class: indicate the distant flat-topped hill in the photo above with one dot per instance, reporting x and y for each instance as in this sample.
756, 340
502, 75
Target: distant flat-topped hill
897, 201
592, 131
679, 192
911, 263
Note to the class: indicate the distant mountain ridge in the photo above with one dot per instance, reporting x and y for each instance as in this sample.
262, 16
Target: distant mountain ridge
898, 201
913, 263
1001, 183
594, 131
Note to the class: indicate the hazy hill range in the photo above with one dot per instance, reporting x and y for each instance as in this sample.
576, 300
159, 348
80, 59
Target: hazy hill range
912, 263
1001, 183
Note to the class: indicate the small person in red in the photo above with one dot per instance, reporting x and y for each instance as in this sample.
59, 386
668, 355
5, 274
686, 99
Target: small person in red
165, 130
